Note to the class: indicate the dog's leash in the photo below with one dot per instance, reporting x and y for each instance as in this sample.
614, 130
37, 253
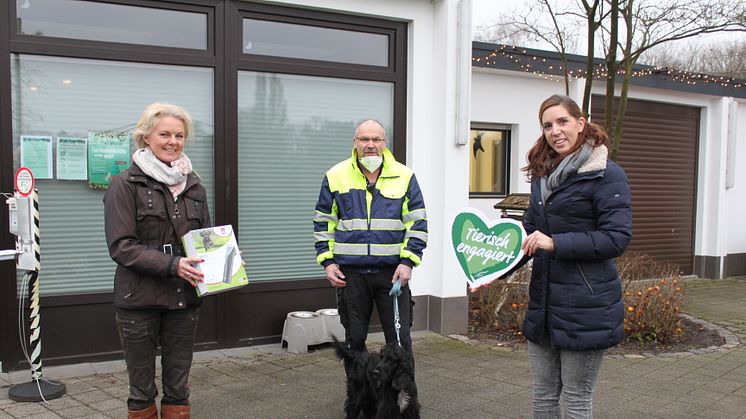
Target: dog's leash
396, 292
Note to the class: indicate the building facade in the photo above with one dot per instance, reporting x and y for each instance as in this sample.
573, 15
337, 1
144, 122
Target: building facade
683, 136
275, 90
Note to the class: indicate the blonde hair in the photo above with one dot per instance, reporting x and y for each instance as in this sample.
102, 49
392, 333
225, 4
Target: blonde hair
152, 114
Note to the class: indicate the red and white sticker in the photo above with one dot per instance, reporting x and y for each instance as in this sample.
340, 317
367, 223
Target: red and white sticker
24, 181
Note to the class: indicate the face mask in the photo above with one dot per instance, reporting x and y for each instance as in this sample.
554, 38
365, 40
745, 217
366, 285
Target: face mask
372, 163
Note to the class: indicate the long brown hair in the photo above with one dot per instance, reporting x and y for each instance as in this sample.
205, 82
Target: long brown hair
541, 157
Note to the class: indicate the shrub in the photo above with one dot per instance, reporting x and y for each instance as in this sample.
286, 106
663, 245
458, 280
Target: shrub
635, 266
502, 305
653, 292
654, 296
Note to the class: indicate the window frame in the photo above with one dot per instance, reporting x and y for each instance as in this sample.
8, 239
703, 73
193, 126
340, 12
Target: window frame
222, 55
81, 48
225, 56
507, 129
65, 306
45, 46
395, 72
361, 27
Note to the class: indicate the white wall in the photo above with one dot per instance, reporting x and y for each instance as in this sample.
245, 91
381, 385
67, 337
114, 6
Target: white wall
510, 98
441, 166
435, 153
513, 98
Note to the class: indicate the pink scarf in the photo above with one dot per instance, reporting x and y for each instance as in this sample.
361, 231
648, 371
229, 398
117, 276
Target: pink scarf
174, 176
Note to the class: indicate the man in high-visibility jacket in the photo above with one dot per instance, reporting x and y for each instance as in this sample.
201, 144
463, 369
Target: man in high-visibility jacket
370, 229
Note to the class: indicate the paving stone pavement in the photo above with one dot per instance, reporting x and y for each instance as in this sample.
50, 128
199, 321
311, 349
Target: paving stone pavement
456, 378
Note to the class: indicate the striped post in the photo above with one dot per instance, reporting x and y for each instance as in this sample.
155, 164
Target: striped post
37, 389
35, 338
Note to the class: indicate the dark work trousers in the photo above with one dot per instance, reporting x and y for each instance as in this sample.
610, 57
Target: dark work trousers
355, 303
141, 331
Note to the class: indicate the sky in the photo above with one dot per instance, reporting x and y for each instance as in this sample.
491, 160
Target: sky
485, 12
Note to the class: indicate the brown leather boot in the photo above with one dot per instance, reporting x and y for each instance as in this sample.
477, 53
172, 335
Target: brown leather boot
174, 411
149, 412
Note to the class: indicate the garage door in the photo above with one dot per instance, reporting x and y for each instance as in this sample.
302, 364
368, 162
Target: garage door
659, 153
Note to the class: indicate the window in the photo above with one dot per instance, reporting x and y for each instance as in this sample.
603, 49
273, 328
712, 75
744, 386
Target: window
488, 160
57, 97
305, 80
107, 22
291, 129
280, 39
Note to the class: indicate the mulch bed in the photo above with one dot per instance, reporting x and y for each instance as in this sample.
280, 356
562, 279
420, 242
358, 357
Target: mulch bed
695, 336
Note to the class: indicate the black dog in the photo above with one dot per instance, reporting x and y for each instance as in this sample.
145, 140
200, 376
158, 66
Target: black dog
395, 385
379, 385
361, 400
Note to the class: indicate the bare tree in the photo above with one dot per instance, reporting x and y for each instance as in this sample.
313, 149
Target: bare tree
622, 30
723, 58
652, 23
505, 34
594, 15
540, 21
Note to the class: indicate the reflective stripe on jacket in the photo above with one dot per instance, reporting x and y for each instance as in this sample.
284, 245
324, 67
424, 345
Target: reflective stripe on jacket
386, 225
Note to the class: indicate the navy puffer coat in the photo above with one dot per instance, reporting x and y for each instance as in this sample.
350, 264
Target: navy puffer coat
575, 296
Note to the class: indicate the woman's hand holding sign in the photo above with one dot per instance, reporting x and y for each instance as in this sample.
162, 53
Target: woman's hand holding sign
537, 240
486, 249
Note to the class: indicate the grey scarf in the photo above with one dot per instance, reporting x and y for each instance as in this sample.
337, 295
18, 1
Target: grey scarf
566, 168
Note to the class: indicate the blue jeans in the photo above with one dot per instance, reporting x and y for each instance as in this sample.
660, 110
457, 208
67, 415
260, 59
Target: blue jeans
141, 331
556, 372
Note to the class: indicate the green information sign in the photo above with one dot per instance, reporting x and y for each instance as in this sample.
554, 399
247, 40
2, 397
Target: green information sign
485, 249
108, 155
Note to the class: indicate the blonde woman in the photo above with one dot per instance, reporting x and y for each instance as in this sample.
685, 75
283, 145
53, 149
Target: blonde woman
147, 208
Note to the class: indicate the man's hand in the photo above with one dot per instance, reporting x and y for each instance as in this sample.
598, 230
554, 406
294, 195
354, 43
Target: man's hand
403, 273
537, 240
335, 276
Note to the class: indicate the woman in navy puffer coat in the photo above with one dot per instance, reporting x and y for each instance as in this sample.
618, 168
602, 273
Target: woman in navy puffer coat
579, 219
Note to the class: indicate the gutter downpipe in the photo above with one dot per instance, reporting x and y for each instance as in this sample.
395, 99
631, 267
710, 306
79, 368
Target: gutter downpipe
730, 156
463, 72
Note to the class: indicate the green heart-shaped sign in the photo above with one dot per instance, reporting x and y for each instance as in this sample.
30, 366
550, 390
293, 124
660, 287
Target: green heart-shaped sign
485, 249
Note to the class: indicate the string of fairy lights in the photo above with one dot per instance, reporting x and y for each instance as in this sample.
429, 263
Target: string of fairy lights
543, 68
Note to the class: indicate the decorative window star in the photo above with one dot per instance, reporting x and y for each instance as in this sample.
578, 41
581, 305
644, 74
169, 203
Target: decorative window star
477, 144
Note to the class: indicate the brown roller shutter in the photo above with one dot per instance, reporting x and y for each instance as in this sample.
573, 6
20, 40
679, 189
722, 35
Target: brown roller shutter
659, 153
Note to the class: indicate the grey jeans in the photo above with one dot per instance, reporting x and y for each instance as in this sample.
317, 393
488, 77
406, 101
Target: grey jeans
558, 372
141, 331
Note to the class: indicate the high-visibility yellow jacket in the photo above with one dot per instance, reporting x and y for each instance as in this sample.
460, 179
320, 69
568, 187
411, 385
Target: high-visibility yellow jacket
381, 225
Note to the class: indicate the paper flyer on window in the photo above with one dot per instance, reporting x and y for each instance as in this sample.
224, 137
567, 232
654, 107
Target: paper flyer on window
71, 158
222, 266
36, 154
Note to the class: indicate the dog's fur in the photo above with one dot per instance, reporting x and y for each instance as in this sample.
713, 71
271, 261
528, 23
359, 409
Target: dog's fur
362, 400
397, 390
379, 385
